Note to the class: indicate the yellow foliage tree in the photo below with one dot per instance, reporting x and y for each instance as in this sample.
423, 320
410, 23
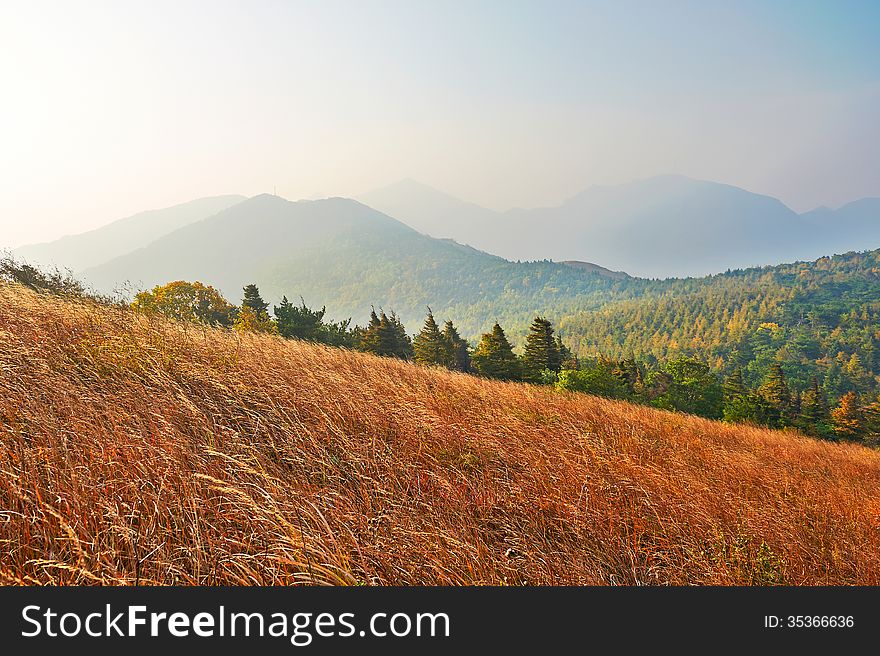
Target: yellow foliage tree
187, 301
248, 321
848, 418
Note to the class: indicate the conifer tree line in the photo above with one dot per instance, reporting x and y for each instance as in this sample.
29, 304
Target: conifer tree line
683, 384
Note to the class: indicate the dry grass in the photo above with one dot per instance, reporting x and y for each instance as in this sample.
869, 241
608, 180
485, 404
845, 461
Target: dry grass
136, 450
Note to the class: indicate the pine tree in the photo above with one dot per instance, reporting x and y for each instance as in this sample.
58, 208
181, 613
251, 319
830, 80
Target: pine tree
254, 301
847, 418
299, 322
494, 356
429, 346
777, 396
742, 405
369, 337
403, 347
456, 356
541, 351
385, 335
814, 409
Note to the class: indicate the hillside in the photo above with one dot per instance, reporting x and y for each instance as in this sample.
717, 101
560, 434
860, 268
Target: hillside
815, 318
342, 254
136, 450
89, 249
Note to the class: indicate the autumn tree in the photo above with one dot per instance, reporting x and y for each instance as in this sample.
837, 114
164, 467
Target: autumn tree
253, 316
248, 321
187, 301
847, 418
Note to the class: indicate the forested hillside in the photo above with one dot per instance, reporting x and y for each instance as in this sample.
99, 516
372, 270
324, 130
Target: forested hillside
817, 318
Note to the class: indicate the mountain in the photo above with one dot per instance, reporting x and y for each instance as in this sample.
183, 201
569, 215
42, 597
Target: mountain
225, 459
348, 256
430, 211
658, 227
855, 226
89, 249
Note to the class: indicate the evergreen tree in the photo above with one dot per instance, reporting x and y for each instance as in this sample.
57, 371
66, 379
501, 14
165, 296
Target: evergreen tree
254, 301
871, 414
456, 356
740, 404
494, 356
385, 335
429, 346
402, 344
847, 418
369, 337
777, 396
541, 351
299, 322
813, 409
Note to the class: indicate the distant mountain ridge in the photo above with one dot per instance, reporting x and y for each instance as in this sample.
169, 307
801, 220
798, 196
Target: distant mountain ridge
88, 249
665, 226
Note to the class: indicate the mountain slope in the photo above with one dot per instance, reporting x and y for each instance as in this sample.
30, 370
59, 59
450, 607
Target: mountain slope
158, 454
78, 252
348, 256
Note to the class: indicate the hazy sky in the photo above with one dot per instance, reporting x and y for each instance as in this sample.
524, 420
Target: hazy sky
112, 108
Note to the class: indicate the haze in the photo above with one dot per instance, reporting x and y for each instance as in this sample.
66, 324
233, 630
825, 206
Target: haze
112, 108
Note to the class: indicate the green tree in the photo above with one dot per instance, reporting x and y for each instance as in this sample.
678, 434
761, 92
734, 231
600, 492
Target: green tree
690, 387
386, 336
456, 356
741, 405
541, 351
429, 346
299, 322
254, 301
494, 356
594, 377
813, 415
777, 396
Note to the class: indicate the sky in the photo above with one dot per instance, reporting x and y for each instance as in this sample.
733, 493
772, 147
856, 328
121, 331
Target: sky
111, 108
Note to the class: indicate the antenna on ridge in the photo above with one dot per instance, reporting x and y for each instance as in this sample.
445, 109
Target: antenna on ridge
274, 190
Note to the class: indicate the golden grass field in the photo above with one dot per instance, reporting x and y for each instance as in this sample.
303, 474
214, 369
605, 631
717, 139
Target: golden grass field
138, 450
